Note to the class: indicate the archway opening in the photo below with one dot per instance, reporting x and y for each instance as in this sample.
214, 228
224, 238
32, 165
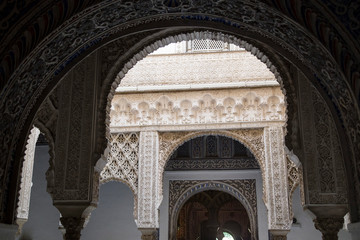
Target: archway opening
196, 172
213, 214
189, 89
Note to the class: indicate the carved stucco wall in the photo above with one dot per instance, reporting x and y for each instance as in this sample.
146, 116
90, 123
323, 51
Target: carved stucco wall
123, 163
220, 68
220, 109
322, 158
267, 145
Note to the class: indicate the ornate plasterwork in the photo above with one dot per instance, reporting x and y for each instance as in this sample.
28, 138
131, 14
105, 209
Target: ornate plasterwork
329, 227
170, 141
26, 178
122, 161
217, 69
324, 172
295, 176
148, 195
211, 153
243, 190
212, 164
276, 181
230, 108
75, 140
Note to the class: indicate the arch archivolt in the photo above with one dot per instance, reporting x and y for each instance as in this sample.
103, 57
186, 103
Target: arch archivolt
251, 138
155, 148
50, 57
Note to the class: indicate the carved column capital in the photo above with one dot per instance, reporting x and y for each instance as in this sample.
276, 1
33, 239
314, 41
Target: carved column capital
278, 234
329, 227
148, 233
73, 227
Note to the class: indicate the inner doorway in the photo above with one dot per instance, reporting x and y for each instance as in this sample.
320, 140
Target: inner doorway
211, 215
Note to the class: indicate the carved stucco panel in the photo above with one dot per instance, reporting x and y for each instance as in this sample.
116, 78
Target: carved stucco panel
251, 138
26, 175
256, 105
74, 145
122, 162
276, 181
324, 170
294, 177
148, 191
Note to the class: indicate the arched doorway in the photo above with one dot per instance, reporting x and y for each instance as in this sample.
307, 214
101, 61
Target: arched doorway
205, 204
214, 215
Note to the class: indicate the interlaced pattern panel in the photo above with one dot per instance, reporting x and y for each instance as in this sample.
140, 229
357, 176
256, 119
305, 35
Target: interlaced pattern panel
207, 44
122, 162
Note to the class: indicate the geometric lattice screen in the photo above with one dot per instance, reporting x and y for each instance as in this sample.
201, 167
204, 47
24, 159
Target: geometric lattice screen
122, 162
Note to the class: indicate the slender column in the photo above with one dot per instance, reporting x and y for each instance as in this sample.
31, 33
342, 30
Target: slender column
329, 227
278, 234
148, 183
276, 183
73, 227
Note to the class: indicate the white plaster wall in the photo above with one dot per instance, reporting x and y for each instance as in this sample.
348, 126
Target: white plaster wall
304, 228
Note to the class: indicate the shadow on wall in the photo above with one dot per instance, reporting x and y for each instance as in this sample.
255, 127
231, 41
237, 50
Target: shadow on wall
113, 219
43, 221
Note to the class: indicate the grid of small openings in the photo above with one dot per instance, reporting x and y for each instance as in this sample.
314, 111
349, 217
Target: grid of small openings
200, 45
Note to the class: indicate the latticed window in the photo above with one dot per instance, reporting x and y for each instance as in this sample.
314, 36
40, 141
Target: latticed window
207, 45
